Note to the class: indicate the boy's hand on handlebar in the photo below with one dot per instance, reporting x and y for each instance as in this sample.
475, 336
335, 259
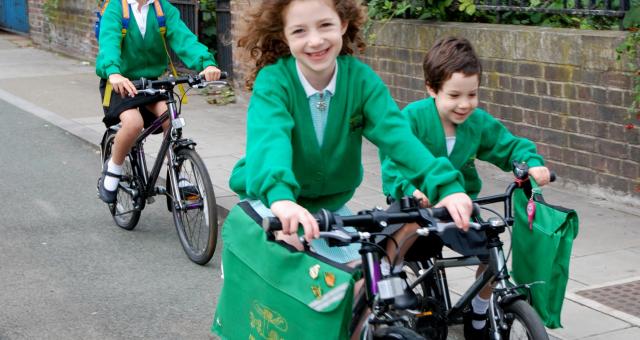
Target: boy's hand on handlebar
291, 214
540, 174
122, 86
460, 208
422, 198
211, 73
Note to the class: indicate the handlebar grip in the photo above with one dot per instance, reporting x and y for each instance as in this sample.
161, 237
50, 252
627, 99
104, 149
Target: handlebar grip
224, 75
552, 176
271, 224
443, 214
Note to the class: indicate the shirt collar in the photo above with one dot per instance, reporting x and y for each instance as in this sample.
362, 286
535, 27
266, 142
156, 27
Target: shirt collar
135, 2
309, 90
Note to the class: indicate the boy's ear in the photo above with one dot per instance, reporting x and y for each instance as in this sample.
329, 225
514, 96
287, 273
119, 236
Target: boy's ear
431, 92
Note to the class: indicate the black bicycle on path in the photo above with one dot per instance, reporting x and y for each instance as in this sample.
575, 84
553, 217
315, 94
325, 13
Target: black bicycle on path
189, 192
509, 316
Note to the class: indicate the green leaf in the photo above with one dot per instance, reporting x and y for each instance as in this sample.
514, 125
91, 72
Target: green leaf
471, 9
210, 30
632, 18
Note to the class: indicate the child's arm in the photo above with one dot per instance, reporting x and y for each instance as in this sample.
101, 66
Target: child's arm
269, 157
499, 147
108, 59
184, 43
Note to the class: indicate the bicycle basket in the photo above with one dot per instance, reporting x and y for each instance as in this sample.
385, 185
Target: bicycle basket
269, 291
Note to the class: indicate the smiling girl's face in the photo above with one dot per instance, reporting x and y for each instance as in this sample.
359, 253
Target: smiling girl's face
313, 30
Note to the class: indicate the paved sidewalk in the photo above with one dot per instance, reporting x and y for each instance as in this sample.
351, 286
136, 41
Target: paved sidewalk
606, 252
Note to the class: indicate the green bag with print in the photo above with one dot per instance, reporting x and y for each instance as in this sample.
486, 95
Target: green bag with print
274, 292
541, 251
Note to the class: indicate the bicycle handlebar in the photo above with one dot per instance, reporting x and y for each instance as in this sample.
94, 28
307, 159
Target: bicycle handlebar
169, 83
375, 219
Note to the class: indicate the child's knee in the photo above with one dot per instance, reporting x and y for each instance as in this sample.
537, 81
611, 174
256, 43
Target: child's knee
131, 119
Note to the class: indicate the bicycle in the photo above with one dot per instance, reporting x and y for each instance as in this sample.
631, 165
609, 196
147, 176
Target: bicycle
193, 205
391, 307
510, 316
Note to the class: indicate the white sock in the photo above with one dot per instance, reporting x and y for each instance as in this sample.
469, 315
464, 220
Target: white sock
385, 267
183, 182
111, 183
479, 306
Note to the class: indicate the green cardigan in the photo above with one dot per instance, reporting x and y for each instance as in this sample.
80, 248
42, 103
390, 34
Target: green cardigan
480, 136
146, 57
284, 161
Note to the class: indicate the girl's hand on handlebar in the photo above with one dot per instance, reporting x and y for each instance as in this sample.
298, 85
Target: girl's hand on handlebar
460, 207
540, 174
211, 73
291, 214
422, 198
122, 85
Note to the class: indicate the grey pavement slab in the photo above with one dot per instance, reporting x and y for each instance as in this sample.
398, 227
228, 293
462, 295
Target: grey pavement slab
64, 92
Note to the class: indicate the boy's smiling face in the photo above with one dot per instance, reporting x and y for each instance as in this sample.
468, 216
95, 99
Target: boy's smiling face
457, 98
313, 30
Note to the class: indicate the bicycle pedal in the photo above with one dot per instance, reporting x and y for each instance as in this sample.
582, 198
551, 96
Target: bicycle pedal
161, 190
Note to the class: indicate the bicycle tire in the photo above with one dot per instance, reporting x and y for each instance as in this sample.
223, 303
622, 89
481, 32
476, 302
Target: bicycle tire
523, 322
192, 223
123, 211
396, 333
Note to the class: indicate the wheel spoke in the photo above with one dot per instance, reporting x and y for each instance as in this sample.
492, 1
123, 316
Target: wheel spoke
194, 221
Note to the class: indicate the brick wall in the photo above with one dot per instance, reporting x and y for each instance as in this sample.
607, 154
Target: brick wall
67, 29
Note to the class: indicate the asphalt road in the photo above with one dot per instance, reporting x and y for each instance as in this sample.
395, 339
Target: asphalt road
66, 270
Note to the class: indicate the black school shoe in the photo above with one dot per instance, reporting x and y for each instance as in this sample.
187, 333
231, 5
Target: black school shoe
471, 333
107, 196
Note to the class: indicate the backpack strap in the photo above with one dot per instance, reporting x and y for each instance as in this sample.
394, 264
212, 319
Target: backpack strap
162, 27
126, 9
125, 17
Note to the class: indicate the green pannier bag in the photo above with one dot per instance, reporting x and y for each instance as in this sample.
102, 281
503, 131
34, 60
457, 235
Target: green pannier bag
541, 251
271, 291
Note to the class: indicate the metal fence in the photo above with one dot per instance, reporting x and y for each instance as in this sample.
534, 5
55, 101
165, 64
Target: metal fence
601, 8
189, 14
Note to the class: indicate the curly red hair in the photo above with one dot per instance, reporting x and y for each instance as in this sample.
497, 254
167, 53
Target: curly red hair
262, 33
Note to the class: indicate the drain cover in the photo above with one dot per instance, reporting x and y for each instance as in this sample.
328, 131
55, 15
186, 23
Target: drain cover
624, 297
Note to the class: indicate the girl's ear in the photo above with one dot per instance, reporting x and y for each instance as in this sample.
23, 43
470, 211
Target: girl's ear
431, 92
344, 27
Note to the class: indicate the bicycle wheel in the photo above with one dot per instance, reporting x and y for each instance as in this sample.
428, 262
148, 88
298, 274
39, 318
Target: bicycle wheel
197, 220
430, 321
523, 322
127, 208
396, 333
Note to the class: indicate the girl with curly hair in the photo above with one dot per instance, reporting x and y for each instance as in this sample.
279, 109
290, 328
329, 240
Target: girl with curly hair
312, 103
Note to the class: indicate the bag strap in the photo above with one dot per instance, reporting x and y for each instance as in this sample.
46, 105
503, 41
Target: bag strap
125, 17
162, 27
106, 100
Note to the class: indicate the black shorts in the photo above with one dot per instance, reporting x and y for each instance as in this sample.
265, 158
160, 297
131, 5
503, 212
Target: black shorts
118, 105
470, 243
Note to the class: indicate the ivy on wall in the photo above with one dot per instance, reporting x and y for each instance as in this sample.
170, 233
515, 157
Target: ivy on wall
50, 9
630, 48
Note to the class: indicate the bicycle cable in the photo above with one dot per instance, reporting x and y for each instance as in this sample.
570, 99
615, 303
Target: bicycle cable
506, 226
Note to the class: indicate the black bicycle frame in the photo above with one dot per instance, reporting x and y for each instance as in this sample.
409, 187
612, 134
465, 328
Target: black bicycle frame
494, 272
138, 155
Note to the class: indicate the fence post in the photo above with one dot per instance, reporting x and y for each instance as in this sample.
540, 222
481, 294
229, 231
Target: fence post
223, 22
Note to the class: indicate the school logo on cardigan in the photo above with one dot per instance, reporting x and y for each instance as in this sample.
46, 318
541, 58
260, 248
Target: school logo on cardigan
267, 323
470, 163
356, 122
